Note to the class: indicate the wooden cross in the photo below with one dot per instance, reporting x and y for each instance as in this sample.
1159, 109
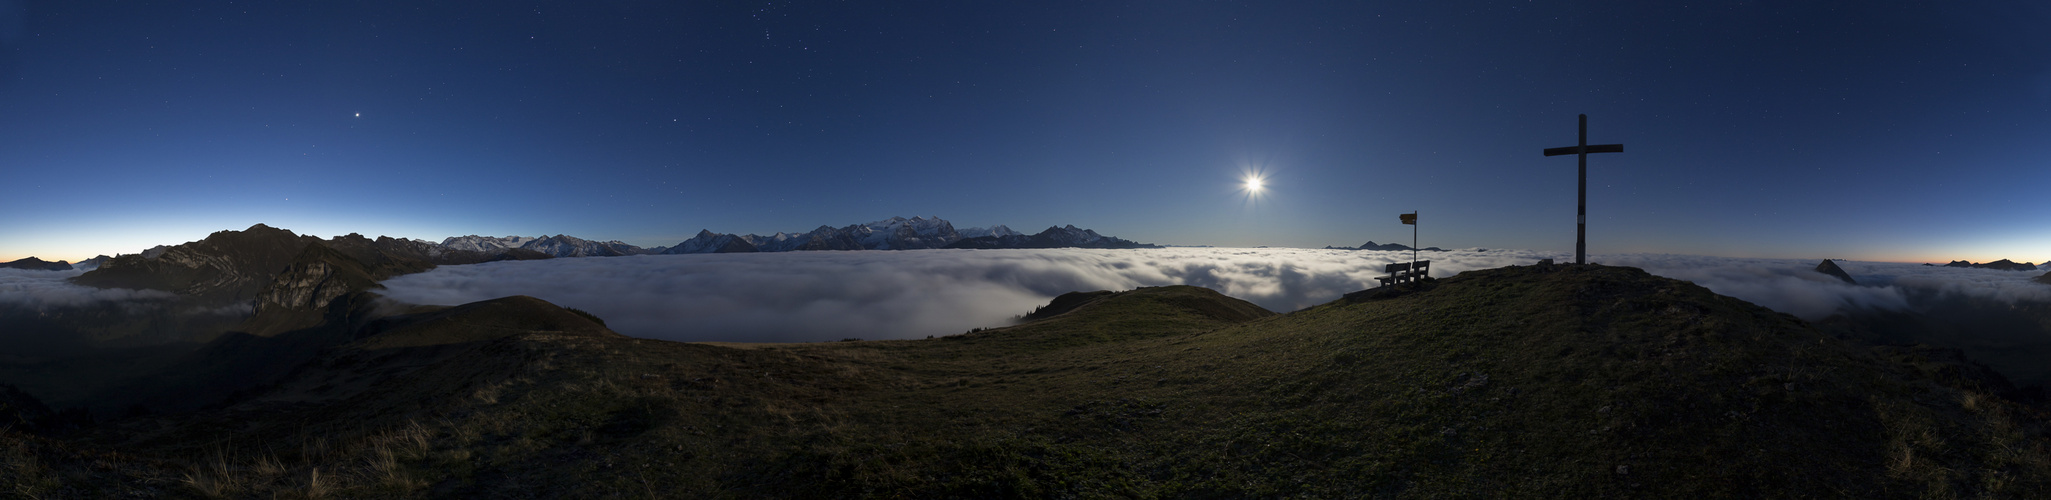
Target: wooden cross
1582, 150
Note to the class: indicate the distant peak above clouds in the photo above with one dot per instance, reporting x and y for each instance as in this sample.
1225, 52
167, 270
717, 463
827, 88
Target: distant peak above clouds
1054, 237
709, 242
2003, 264
999, 230
477, 243
35, 264
899, 233
560, 245
1371, 245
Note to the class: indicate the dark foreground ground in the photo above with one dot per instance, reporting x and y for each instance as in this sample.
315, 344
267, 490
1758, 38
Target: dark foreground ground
1551, 382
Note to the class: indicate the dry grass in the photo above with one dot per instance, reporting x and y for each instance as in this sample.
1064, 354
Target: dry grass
316, 487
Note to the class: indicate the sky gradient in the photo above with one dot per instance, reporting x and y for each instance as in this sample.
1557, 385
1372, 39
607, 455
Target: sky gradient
1895, 131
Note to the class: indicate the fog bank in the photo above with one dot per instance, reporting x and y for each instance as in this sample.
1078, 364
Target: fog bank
819, 296
41, 290
815, 296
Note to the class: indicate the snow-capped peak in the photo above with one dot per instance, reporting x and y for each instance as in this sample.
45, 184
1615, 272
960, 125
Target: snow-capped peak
487, 244
999, 230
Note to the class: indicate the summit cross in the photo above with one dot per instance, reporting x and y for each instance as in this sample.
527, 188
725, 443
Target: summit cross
1581, 212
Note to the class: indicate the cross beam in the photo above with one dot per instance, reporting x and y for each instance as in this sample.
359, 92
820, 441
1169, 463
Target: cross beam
1581, 215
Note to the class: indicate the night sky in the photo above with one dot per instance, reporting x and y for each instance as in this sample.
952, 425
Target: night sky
1894, 131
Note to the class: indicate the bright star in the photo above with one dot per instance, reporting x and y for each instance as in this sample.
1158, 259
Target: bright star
359, 115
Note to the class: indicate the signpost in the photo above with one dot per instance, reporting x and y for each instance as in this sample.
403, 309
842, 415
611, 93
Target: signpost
1581, 212
1411, 219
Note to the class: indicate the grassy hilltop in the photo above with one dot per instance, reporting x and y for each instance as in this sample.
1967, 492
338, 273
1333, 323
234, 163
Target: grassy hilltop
1557, 381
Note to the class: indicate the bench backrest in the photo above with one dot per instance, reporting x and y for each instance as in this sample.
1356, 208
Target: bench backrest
1422, 267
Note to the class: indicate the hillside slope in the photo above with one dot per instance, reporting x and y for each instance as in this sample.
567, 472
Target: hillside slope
1556, 381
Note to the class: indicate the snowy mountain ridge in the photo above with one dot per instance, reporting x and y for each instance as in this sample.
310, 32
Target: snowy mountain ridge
899, 233
477, 243
895, 233
999, 230
555, 246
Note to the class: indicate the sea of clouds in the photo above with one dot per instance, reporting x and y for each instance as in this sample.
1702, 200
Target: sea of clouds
815, 296
1793, 286
819, 296
43, 290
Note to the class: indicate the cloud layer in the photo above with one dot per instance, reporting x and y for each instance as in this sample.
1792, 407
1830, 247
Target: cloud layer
819, 296
1794, 287
40, 290
815, 296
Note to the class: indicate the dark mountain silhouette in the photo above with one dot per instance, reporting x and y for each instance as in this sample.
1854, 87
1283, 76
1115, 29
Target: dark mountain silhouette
1830, 268
709, 242
299, 295
2003, 264
1054, 237
519, 254
36, 264
227, 266
235, 266
92, 263
1371, 245
898, 233
895, 233
261, 282
231, 270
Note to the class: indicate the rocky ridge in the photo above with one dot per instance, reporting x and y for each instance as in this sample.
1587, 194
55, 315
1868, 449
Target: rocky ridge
1830, 268
2003, 264
560, 245
265, 273
1054, 237
35, 264
709, 242
898, 233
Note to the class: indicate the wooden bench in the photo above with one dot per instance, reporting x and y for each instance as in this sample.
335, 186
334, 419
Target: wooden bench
1403, 272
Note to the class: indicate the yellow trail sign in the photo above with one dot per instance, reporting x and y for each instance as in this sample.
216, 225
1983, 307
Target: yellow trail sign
1409, 219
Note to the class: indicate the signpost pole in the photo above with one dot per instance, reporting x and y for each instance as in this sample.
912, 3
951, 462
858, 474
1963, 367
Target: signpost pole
1411, 219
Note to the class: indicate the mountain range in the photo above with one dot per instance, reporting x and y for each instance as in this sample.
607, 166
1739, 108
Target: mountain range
553, 246
1054, 237
231, 274
895, 233
35, 264
2003, 264
898, 233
